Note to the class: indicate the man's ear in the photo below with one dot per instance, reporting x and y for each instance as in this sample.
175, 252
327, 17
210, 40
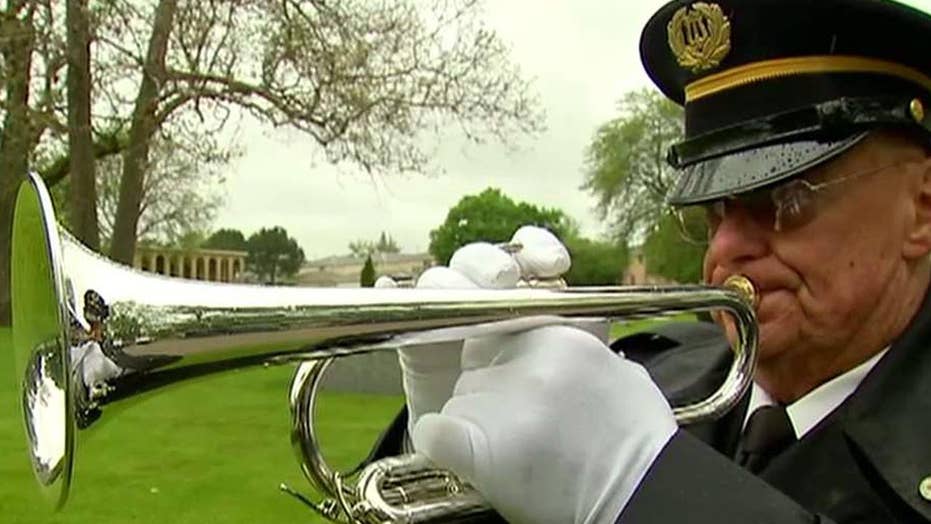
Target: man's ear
918, 241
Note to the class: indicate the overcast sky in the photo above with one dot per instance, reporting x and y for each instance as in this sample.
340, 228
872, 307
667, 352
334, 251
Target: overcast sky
581, 56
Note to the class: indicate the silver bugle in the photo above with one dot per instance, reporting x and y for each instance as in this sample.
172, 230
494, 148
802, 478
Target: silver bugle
69, 302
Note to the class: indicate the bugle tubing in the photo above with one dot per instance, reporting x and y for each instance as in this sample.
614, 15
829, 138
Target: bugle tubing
89, 333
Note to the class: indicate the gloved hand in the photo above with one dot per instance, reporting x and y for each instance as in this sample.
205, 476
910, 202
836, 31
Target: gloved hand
549, 425
430, 371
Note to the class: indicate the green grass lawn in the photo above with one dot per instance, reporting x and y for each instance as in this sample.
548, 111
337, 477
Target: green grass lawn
212, 450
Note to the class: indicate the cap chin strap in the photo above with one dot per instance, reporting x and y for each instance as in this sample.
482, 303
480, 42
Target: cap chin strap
828, 121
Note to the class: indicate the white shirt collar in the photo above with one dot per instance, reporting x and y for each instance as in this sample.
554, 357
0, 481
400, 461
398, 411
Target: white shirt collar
806, 412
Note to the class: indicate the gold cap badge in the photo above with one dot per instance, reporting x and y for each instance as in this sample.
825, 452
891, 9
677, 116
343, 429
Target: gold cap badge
699, 36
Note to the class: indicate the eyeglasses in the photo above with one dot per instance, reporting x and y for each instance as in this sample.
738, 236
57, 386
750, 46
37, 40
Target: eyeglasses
783, 208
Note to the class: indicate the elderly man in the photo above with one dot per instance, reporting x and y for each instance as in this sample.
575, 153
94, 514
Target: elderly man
807, 152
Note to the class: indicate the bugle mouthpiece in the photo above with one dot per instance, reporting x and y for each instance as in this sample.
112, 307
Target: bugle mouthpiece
744, 287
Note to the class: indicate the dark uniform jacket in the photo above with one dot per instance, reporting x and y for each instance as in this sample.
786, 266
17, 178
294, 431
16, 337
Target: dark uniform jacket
863, 463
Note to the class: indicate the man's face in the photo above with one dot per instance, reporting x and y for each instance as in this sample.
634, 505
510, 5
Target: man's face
821, 282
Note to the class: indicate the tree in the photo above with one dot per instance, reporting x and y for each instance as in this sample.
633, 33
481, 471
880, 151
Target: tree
626, 168
231, 239
361, 248
143, 125
180, 192
667, 254
38, 39
272, 254
32, 59
361, 79
491, 216
367, 276
190, 241
595, 263
365, 81
384, 245
180, 198
80, 140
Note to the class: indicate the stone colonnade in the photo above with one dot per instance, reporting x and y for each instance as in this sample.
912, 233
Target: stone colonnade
197, 264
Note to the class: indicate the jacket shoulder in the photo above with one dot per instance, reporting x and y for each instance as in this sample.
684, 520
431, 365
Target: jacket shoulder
687, 360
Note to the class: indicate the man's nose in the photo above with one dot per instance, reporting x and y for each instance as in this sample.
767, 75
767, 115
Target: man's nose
739, 237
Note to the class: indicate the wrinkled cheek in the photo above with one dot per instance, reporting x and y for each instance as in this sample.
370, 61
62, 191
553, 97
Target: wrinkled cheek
781, 334
837, 282
845, 283
828, 314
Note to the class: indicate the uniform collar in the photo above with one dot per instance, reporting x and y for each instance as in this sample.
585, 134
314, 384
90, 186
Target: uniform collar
806, 412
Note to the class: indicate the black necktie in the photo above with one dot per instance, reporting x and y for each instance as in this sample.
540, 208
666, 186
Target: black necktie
769, 431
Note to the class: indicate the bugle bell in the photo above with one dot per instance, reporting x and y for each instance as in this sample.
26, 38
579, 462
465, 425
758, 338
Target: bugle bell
69, 302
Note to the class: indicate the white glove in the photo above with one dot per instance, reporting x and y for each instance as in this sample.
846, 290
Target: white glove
542, 254
429, 372
550, 426
385, 281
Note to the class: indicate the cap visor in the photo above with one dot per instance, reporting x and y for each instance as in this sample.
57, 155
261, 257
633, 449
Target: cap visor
754, 169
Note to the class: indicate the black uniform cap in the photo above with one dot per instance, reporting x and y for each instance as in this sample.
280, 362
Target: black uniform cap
772, 88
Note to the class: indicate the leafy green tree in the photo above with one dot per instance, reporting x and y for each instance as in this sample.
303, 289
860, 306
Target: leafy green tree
595, 263
367, 277
668, 254
626, 168
491, 216
273, 254
191, 240
231, 239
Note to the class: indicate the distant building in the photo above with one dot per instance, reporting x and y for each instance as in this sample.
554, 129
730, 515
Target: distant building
636, 273
215, 265
344, 270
